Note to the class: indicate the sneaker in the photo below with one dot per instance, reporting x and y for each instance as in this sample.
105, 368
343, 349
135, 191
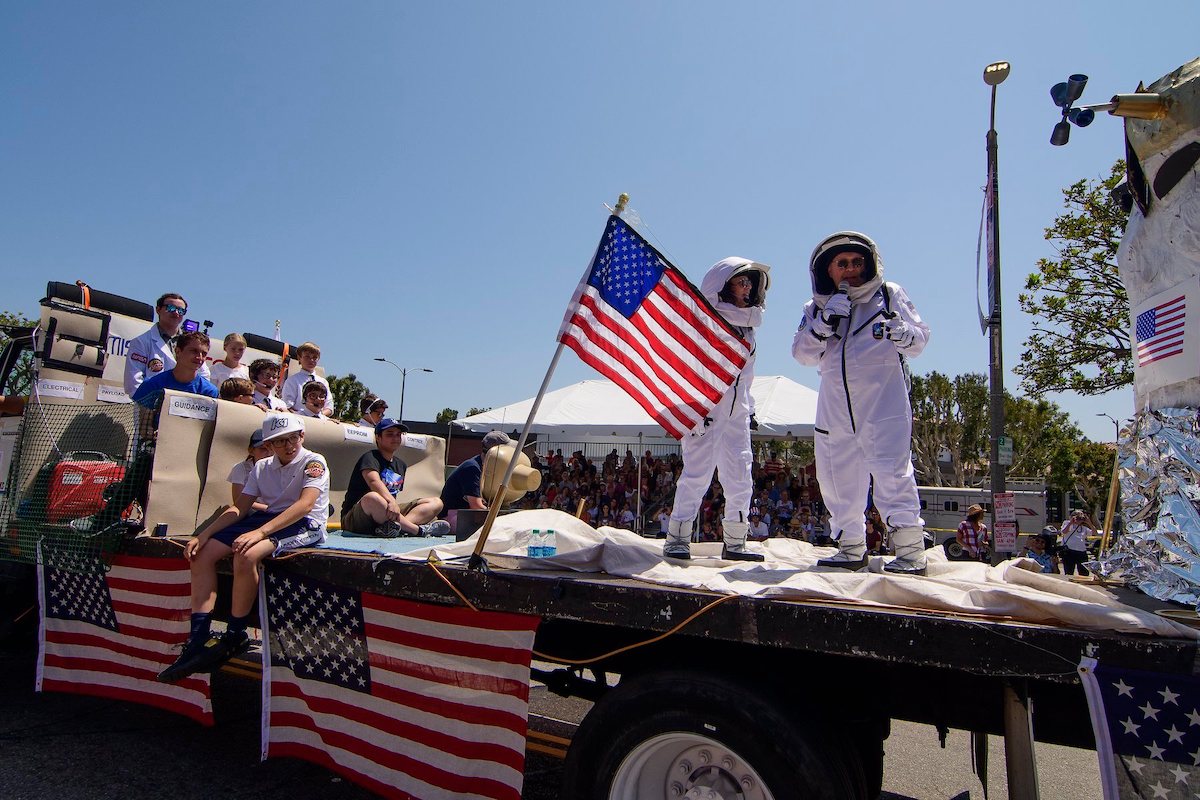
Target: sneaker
389, 530
185, 665
439, 527
206, 656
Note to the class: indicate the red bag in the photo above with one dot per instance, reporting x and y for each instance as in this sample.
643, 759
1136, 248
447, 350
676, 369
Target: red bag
77, 486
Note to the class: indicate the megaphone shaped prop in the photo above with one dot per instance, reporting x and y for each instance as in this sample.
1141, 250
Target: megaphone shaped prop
524, 477
507, 476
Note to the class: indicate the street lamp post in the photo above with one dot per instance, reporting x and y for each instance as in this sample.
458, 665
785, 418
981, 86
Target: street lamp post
403, 377
993, 75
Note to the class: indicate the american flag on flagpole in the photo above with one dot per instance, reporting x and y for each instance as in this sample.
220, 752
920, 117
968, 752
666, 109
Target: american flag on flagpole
637, 320
410, 700
1147, 728
1160, 331
110, 634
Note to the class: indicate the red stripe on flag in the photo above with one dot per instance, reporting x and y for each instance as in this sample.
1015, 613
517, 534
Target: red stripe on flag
710, 314
150, 612
597, 343
403, 729
466, 618
115, 643
450, 677
688, 342
654, 411
166, 703
471, 714
484, 652
390, 760
1144, 362
653, 358
155, 589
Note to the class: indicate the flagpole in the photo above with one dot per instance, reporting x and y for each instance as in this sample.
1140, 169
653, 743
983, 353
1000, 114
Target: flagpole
477, 561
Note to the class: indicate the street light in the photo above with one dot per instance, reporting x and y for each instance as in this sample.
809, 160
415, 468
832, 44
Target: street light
1111, 419
403, 376
993, 75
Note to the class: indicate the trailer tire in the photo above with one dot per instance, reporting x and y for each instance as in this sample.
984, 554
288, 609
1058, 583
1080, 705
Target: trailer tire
664, 734
954, 550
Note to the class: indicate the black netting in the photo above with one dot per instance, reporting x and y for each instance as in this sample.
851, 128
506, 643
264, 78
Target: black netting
76, 484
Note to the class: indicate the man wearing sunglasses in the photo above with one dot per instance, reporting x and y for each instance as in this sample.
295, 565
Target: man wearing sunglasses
152, 352
860, 331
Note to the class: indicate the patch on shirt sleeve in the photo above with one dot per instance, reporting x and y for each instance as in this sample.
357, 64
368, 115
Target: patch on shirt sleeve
314, 469
155, 365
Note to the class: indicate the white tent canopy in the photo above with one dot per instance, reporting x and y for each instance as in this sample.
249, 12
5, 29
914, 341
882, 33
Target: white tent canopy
784, 409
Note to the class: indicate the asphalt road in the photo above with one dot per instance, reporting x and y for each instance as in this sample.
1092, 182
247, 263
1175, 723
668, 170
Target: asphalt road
70, 747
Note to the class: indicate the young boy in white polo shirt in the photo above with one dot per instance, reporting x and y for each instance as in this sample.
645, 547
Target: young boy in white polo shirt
294, 484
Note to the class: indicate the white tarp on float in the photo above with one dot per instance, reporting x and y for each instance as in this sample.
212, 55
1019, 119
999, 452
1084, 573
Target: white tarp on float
1012, 590
783, 408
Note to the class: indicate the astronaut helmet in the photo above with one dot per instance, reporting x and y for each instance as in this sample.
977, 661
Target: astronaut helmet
760, 282
841, 242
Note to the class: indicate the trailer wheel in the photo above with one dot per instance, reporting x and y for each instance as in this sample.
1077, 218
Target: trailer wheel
702, 737
953, 549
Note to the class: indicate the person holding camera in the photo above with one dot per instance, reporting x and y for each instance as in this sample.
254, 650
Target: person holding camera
1074, 542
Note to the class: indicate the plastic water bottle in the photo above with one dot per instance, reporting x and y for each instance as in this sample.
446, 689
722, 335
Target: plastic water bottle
534, 549
549, 543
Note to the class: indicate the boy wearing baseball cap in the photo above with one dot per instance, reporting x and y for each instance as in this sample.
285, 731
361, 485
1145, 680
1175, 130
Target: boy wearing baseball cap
371, 508
294, 484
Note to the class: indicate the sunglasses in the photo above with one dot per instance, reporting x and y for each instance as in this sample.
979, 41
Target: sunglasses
171, 308
846, 263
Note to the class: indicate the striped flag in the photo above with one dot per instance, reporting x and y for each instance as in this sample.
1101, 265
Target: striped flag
410, 700
110, 634
637, 320
1160, 331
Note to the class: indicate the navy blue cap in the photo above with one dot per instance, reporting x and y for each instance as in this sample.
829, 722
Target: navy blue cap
388, 422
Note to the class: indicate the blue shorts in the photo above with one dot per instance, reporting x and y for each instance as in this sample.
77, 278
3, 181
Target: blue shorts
305, 533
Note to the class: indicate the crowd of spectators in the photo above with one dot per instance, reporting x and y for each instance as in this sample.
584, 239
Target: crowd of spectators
786, 502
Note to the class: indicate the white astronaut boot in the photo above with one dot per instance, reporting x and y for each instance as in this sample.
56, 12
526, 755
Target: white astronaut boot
679, 539
909, 544
850, 555
734, 548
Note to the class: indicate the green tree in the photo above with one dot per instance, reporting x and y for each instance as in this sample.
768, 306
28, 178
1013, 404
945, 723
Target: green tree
1044, 441
950, 426
347, 392
1080, 337
472, 411
1089, 469
21, 377
446, 415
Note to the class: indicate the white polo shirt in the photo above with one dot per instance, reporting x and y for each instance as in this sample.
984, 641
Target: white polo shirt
295, 383
279, 485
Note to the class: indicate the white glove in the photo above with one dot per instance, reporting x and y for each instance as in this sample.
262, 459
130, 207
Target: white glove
820, 327
838, 305
900, 332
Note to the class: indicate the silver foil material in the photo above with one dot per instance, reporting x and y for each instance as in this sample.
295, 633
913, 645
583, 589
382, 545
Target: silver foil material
1159, 550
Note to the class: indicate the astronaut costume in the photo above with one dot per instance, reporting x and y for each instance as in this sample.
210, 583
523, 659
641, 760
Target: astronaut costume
149, 354
860, 341
724, 440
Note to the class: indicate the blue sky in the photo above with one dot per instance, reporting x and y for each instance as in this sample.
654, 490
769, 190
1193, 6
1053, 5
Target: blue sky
425, 181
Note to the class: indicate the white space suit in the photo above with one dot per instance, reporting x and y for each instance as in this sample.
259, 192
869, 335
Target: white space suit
864, 420
724, 441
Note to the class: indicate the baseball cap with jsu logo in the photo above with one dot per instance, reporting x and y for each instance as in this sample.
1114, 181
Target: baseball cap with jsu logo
276, 425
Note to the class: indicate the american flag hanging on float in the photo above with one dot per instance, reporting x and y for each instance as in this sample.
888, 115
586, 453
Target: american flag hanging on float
1147, 728
410, 700
110, 633
1160, 331
637, 320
